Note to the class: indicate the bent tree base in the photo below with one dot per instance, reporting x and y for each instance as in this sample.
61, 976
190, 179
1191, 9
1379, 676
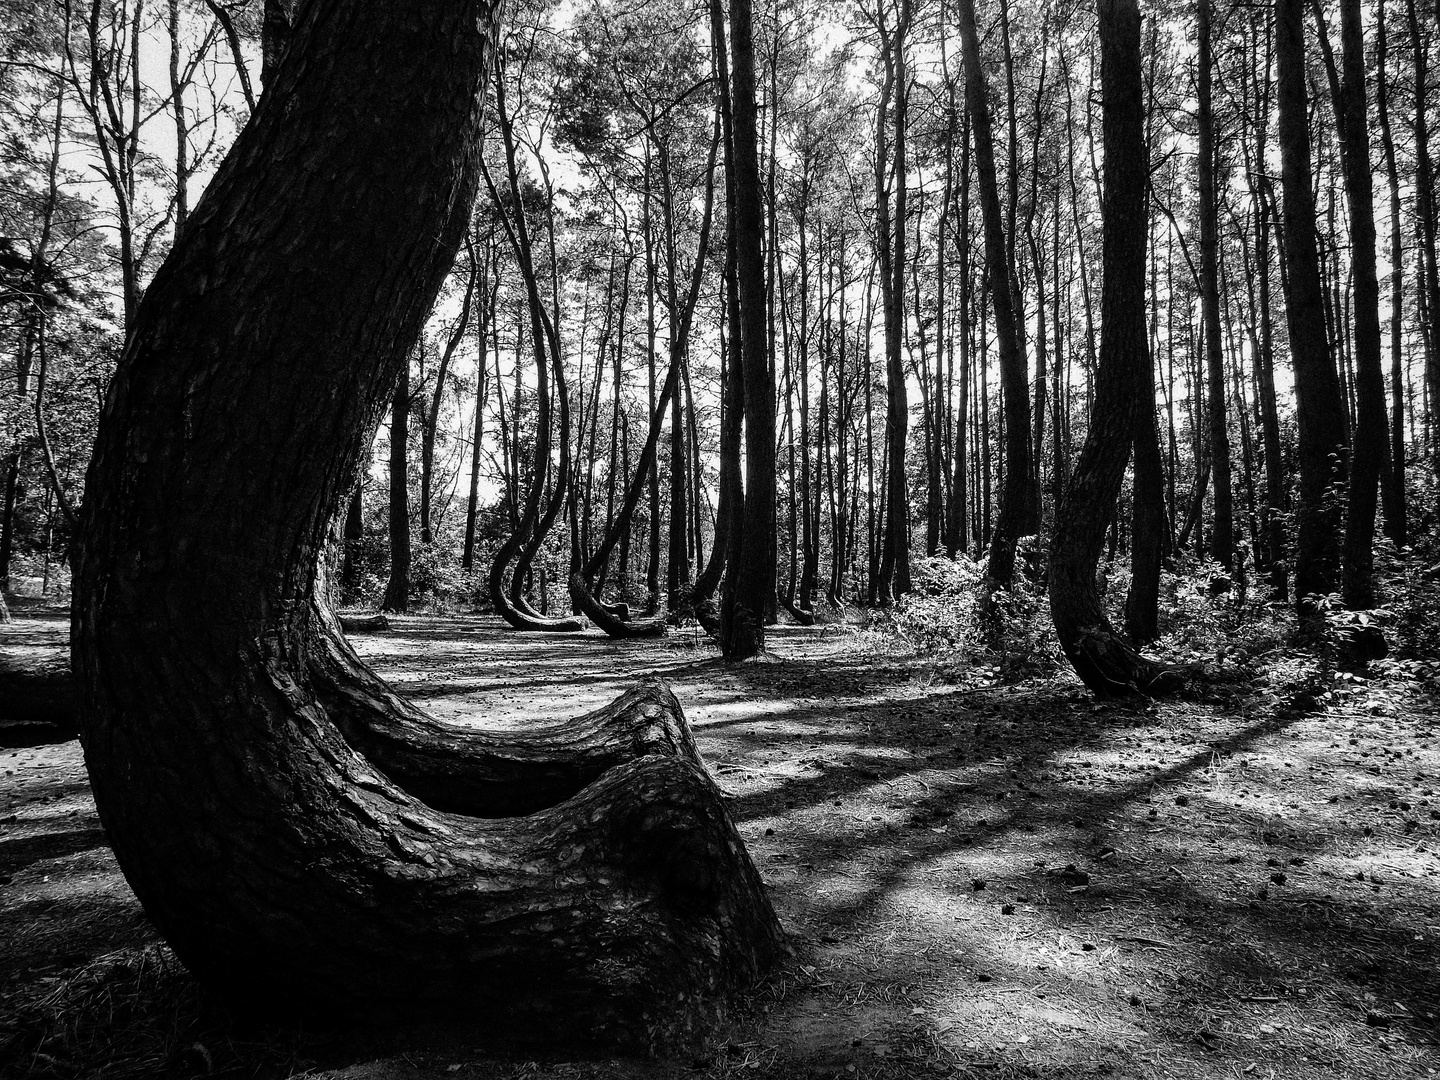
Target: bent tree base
607, 619
302, 837
1105, 662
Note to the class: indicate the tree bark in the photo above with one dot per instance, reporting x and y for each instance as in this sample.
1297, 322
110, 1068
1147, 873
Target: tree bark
432, 415
1393, 481
275, 30
287, 870
1370, 450
1102, 659
397, 589
731, 494
530, 532
1147, 538
477, 435
1426, 211
1222, 540
1319, 410
354, 532
1014, 378
750, 575
1274, 544
890, 245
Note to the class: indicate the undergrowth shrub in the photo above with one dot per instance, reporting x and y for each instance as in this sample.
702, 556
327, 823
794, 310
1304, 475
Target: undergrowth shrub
943, 615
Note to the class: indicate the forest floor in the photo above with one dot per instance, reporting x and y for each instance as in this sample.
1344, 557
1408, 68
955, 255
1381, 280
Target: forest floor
978, 880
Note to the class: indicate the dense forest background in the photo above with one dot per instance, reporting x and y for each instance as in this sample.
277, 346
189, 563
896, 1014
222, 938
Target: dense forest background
918, 351
929, 183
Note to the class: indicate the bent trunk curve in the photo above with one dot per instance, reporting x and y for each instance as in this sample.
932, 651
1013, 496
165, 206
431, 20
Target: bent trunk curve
603, 617
281, 863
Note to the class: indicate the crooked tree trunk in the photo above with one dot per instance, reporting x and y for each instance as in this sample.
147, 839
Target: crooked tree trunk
1106, 663
582, 591
532, 528
269, 851
582, 594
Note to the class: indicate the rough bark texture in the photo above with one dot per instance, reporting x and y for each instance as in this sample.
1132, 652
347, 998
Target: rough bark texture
397, 589
613, 618
1392, 490
1319, 410
1015, 501
1147, 539
1222, 535
1106, 663
283, 866
1425, 211
1370, 451
750, 575
890, 247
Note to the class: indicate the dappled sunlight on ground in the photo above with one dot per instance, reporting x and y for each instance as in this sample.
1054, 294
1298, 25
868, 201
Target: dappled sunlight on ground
977, 880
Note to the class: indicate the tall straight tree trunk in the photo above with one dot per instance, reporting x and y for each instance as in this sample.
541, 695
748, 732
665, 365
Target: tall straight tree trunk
1370, 451
1014, 378
652, 285
1273, 545
890, 237
307, 842
1147, 539
7, 516
938, 465
959, 489
872, 550
488, 302
677, 563
397, 589
1222, 540
1103, 660
1426, 210
432, 415
731, 494
1319, 408
1393, 481
353, 534
750, 576
809, 489
677, 569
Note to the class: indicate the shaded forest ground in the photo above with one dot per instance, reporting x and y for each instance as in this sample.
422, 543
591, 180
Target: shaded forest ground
978, 880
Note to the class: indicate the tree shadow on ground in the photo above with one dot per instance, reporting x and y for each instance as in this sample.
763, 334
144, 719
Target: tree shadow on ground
898, 815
